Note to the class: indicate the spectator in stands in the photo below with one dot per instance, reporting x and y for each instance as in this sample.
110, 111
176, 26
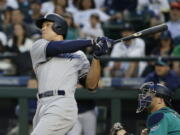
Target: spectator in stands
6, 67
35, 10
12, 3
94, 29
158, 7
130, 48
3, 40
4, 4
99, 3
49, 6
17, 16
124, 10
20, 44
59, 10
86, 4
163, 49
3, 8
35, 13
72, 6
153, 41
24, 6
120, 5
166, 45
174, 22
73, 30
6, 7
85, 9
176, 64
164, 75
6, 21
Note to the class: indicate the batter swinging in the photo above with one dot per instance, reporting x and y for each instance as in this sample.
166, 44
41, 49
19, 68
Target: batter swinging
59, 65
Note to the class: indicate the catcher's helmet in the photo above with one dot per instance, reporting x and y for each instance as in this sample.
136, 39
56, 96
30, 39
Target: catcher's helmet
149, 90
60, 25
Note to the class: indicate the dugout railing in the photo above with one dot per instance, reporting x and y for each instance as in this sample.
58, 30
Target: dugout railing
115, 95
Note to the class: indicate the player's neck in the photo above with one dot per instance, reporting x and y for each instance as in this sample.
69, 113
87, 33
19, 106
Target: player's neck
58, 38
157, 107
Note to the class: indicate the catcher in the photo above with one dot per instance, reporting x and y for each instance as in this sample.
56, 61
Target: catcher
162, 120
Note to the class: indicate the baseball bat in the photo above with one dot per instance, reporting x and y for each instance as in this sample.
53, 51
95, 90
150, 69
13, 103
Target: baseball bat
151, 30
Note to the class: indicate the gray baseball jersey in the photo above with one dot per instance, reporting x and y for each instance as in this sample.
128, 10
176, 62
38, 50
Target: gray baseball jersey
56, 73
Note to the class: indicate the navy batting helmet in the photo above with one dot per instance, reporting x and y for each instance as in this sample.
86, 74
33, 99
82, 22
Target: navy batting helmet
60, 25
150, 90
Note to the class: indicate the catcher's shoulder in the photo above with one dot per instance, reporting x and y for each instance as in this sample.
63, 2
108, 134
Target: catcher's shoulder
155, 119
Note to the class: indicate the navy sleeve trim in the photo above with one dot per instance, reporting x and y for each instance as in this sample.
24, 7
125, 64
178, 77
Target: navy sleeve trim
66, 46
154, 119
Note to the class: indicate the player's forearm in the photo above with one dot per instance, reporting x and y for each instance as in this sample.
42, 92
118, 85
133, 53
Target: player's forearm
66, 46
93, 75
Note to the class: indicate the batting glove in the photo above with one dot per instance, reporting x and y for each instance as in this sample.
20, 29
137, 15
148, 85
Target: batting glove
101, 46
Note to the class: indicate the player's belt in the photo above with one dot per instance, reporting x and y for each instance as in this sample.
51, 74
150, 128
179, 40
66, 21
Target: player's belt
51, 93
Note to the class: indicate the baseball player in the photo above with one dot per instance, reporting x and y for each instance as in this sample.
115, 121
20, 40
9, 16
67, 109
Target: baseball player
59, 65
162, 120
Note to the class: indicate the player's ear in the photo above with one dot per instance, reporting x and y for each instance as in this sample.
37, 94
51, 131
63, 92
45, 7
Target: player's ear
163, 101
159, 100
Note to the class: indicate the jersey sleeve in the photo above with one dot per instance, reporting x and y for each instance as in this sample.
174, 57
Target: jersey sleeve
38, 52
85, 66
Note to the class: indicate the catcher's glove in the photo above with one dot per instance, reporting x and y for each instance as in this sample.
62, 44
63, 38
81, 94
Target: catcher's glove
115, 128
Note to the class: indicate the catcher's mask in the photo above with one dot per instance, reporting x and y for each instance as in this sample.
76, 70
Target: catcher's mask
150, 90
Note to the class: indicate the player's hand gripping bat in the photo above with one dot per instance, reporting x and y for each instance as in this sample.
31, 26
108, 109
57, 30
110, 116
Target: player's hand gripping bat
151, 30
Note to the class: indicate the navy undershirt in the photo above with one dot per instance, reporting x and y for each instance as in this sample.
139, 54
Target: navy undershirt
66, 46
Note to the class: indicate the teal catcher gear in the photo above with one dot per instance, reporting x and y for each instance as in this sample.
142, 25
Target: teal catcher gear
148, 91
165, 121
